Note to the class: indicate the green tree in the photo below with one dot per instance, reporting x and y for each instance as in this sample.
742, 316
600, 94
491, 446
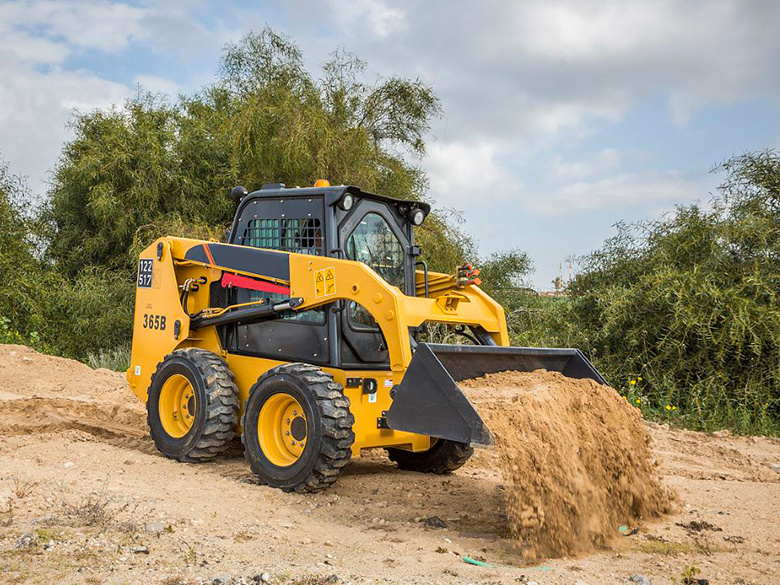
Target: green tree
689, 304
22, 274
151, 167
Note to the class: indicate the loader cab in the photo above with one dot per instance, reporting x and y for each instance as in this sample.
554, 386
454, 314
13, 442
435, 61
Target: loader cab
342, 222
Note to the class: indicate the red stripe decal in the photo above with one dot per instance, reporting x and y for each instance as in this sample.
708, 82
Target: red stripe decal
208, 255
252, 284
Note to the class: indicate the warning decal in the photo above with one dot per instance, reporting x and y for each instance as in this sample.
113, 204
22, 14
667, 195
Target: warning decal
324, 282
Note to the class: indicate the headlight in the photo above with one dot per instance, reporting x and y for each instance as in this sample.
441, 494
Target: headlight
417, 216
346, 202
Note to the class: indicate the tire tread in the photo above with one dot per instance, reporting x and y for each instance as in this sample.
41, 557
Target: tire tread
441, 459
222, 404
337, 421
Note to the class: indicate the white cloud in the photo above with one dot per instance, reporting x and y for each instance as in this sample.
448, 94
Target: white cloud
39, 90
378, 16
546, 71
92, 24
602, 162
647, 190
38, 94
20, 46
459, 170
154, 84
34, 109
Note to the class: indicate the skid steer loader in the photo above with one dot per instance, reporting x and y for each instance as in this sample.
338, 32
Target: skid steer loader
301, 335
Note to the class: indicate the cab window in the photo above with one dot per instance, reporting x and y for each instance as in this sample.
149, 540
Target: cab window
300, 235
373, 243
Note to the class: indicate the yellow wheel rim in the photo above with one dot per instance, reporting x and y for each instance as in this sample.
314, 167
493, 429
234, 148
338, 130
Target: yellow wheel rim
282, 429
177, 406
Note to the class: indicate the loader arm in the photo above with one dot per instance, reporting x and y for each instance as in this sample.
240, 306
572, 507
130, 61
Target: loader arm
319, 280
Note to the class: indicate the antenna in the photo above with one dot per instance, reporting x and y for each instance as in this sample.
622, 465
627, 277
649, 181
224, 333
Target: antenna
570, 259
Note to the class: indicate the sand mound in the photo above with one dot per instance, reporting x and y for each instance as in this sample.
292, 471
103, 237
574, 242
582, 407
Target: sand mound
575, 459
42, 393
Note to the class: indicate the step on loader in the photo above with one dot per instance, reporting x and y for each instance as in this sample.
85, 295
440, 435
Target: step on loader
300, 335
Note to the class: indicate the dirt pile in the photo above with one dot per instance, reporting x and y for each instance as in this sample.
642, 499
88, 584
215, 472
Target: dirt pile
575, 458
42, 393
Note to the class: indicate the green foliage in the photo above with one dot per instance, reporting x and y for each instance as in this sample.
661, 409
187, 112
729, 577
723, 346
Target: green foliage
43, 308
23, 278
132, 171
444, 245
689, 303
533, 320
504, 273
93, 311
122, 173
154, 167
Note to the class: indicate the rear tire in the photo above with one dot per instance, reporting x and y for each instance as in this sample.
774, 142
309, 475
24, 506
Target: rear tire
192, 405
297, 428
443, 457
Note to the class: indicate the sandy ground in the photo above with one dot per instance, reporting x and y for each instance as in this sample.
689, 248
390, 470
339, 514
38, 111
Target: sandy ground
85, 498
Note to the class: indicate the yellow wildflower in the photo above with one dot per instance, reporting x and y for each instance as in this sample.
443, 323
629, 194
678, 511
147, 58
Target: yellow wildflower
638, 400
633, 382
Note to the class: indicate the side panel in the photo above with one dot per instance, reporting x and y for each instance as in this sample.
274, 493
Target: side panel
157, 311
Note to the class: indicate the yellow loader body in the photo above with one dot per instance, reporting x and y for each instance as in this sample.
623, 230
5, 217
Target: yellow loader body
158, 309
302, 334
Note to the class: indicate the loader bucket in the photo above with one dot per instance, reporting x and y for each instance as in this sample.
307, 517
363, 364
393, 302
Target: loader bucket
429, 402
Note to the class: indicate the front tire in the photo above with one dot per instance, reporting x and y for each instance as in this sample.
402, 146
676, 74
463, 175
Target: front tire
443, 457
297, 428
192, 405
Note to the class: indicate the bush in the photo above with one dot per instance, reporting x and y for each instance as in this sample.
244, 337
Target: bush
682, 313
25, 278
130, 170
89, 313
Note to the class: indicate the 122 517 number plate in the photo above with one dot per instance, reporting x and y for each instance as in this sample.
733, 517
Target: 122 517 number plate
145, 272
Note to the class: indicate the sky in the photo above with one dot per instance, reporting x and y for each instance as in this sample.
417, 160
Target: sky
561, 117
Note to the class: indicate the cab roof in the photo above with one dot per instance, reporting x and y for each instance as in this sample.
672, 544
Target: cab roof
331, 194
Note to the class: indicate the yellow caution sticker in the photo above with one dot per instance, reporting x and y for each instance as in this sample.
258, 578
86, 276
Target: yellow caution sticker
324, 282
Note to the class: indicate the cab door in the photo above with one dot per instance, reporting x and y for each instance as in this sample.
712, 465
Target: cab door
373, 235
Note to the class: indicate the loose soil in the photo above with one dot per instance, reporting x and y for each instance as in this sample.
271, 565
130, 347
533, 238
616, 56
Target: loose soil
575, 459
85, 498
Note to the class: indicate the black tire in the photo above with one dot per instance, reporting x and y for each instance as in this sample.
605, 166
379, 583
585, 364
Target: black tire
443, 457
329, 436
215, 399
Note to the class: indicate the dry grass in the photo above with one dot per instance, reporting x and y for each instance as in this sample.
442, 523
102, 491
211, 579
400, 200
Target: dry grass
663, 547
92, 510
24, 487
99, 510
7, 515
